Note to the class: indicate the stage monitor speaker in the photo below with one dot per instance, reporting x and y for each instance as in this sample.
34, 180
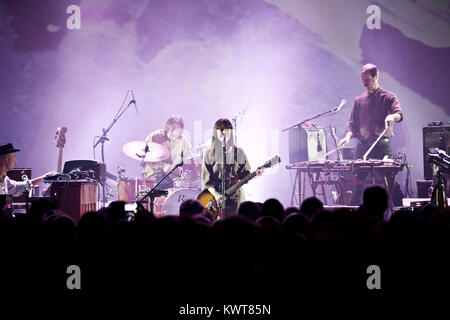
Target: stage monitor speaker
99, 168
434, 137
424, 188
307, 144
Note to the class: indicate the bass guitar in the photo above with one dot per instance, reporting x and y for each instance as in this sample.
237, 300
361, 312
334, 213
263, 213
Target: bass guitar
60, 140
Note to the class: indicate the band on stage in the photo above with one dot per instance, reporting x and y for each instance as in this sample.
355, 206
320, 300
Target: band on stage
216, 170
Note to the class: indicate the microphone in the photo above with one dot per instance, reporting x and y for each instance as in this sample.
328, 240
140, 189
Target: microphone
337, 109
134, 102
28, 181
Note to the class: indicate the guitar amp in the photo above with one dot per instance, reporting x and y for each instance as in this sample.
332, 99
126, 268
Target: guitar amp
307, 144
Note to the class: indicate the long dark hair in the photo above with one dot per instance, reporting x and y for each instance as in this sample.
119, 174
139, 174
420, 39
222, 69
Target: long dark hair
220, 124
173, 119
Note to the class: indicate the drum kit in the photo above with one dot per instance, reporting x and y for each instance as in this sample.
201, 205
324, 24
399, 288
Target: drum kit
187, 185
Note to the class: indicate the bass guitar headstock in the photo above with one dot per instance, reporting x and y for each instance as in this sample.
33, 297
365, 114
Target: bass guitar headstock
60, 137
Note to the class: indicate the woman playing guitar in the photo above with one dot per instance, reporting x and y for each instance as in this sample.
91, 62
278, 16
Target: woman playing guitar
236, 167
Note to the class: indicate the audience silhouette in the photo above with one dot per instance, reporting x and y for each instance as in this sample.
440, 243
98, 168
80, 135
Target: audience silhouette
263, 246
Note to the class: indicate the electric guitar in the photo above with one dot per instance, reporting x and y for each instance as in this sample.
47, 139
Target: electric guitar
208, 200
60, 140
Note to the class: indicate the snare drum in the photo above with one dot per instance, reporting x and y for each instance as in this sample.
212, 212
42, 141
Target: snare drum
129, 188
170, 205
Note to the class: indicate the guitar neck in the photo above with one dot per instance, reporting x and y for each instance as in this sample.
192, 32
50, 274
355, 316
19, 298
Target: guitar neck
250, 176
59, 160
239, 184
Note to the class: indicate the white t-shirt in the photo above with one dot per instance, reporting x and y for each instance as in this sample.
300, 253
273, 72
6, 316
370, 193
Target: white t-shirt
12, 187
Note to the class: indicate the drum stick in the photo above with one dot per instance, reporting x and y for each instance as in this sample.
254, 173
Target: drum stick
373, 145
329, 152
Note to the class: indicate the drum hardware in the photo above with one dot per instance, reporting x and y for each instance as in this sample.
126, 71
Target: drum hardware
129, 188
120, 172
153, 193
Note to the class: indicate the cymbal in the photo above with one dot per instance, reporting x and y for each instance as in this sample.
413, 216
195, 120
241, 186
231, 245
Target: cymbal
136, 150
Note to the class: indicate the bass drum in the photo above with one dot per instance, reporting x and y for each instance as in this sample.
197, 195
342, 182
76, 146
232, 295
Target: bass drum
170, 205
128, 189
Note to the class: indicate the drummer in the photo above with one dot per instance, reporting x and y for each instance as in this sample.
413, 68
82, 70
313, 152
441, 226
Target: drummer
171, 137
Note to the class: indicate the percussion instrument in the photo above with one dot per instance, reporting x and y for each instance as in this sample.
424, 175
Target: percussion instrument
343, 174
129, 188
170, 205
150, 152
191, 175
347, 166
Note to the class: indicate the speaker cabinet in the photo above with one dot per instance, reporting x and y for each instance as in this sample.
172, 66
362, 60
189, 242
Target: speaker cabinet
434, 137
307, 144
423, 188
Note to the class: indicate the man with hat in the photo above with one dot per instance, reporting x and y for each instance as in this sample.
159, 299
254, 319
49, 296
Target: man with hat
7, 162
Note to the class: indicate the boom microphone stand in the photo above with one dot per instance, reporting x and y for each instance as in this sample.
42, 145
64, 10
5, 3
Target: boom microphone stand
104, 138
336, 109
234, 121
155, 192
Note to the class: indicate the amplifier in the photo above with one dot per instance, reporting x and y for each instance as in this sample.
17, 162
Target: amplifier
307, 144
434, 137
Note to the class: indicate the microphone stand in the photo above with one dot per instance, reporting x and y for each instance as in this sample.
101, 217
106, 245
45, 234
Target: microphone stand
223, 175
315, 117
336, 109
104, 138
154, 192
28, 188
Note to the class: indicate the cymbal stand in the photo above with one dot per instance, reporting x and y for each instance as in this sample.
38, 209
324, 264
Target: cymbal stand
234, 120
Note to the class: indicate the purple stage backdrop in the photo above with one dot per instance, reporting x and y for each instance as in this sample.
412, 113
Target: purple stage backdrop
71, 62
